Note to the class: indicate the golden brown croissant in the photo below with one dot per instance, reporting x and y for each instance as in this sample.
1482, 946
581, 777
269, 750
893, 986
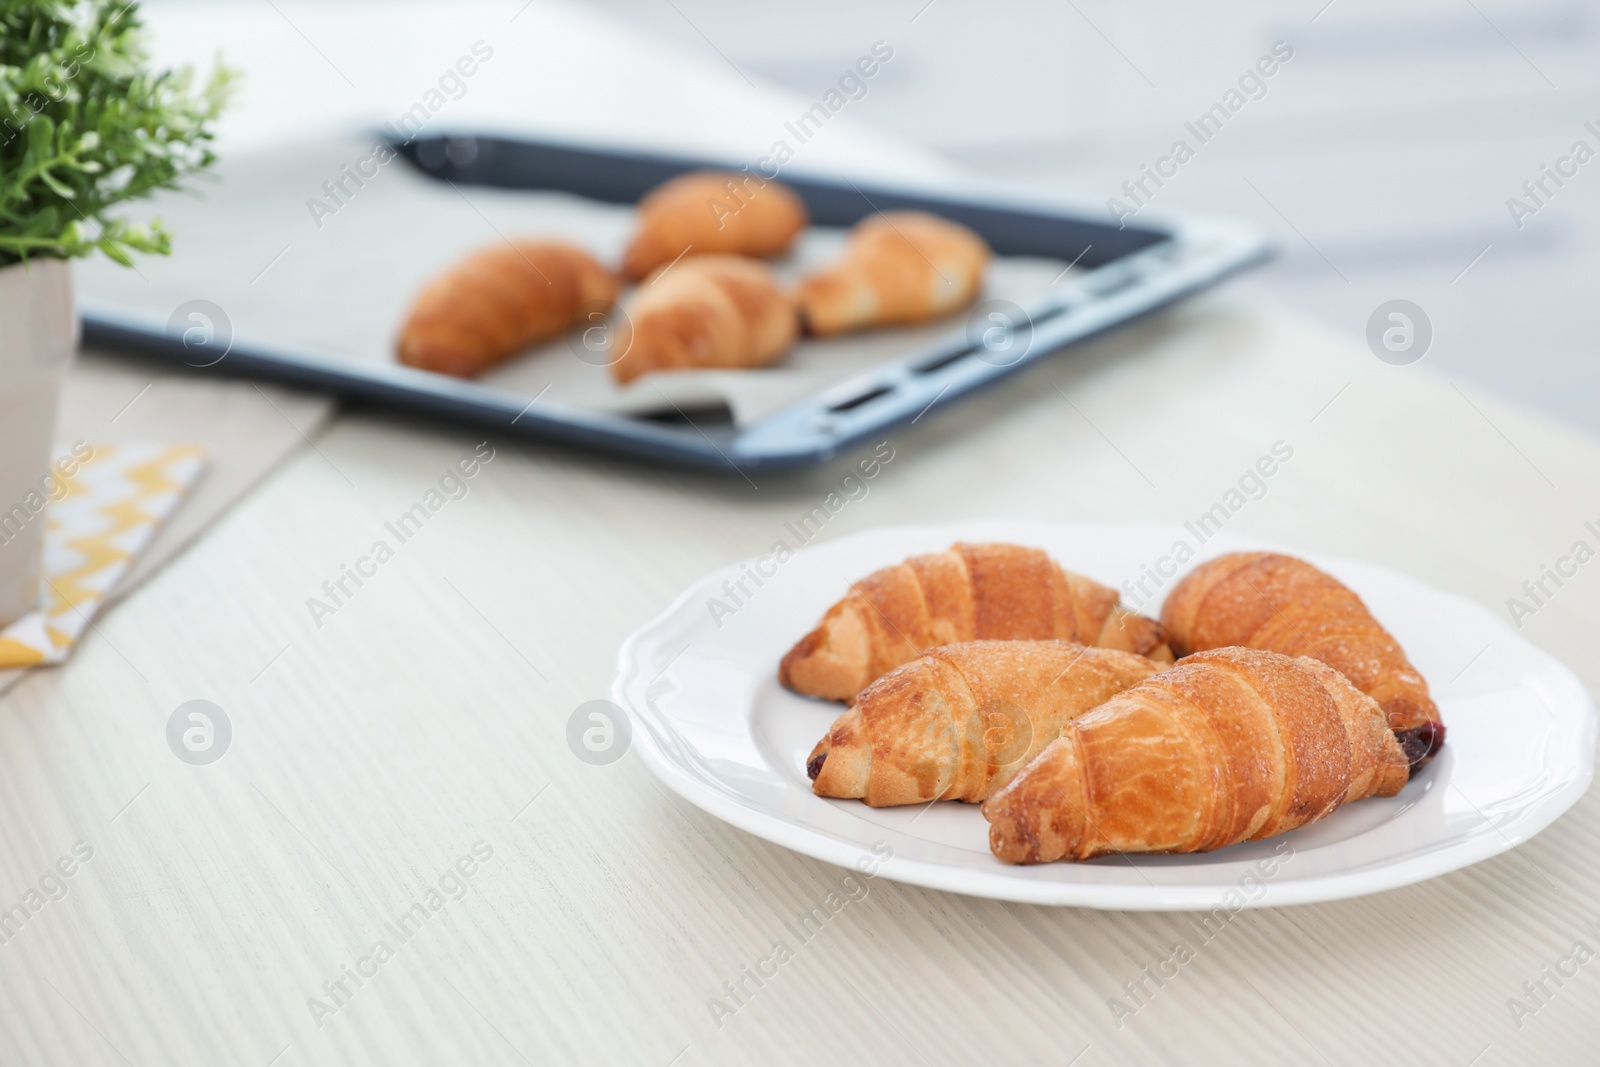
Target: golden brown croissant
713, 211
1276, 602
970, 592
1230, 745
498, 301
958, 722
900, 267
705, 312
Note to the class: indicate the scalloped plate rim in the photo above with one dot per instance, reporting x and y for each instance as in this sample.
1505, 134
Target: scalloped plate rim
997, 882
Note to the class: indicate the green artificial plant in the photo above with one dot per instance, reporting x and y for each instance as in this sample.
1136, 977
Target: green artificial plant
84, 126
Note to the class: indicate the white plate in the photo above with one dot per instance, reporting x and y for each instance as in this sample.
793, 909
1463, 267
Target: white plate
712, 722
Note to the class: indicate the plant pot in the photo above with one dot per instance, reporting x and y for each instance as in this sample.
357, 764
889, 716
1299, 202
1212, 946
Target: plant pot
38, 336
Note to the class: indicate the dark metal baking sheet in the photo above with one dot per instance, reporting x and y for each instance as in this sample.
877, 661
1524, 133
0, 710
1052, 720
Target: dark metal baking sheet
1124, 272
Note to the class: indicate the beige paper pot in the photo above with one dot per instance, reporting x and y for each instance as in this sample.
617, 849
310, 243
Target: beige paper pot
38, 335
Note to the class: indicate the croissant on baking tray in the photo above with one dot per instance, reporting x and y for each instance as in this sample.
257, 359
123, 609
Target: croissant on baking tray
970, 592
958, 722
704, 312
898, 268
498, 301
713, 211
1231, 745
1283, 604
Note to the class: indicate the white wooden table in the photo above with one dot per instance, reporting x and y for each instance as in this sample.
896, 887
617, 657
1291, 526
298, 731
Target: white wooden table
417, 737
427, 717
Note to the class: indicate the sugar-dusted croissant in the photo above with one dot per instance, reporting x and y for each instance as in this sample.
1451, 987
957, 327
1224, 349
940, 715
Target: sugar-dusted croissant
1276, 602
713, 211
971, 592
958, 722
1231, 745
898, 268
704, 312
498, 301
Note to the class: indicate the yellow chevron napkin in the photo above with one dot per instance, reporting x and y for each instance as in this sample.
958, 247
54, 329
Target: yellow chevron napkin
109, 510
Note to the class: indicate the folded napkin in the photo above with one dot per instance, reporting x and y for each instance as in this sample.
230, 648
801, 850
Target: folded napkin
111, 508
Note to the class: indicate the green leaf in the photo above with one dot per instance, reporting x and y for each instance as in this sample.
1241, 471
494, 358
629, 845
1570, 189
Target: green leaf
54, 185
114, 250
86, 125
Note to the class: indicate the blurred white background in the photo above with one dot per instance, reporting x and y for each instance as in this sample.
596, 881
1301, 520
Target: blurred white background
1382, 155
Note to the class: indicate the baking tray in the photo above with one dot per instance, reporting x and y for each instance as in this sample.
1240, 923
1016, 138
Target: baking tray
1115, 275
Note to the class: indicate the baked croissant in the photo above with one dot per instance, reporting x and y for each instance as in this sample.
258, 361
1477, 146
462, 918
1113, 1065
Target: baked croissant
705, 312
498, 301
898, 268
713, 211
971, 592
1231, 745
960, 721
1267, 600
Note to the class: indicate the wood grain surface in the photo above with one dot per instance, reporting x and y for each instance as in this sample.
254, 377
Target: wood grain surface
244, 428
417, 733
